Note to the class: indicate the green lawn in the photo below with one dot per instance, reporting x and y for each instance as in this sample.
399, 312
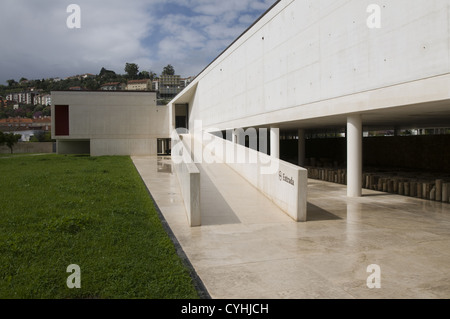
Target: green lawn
91, 211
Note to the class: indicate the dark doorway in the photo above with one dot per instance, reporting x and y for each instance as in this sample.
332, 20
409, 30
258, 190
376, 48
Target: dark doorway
164, 146
182, 116
180, 122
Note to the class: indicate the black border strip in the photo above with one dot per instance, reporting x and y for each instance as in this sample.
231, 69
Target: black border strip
198, 283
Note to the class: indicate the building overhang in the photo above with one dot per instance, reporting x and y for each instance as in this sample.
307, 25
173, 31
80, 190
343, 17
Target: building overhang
185, 96
404, 106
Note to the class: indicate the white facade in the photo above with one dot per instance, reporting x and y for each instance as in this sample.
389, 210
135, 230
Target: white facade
111, 123
47, 100
311, 64
305, 64
302, 53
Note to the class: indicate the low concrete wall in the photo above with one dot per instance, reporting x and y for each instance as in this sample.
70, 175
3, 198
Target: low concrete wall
27, 147
285, 184
123, 146
189, 179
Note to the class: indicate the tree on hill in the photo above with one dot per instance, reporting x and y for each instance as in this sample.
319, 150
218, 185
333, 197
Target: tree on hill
132, 70
168, 70
153, 75
91, 84
144, 75
106, 73
11, 83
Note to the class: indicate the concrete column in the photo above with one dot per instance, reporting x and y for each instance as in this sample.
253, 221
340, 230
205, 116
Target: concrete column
172, 116
301, 147
163, 146
234, 137
263, 146
274, 142
354, 156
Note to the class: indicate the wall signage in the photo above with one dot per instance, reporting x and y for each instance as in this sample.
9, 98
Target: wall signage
284, 178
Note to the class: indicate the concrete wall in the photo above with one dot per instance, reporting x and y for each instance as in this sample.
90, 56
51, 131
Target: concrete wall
188, 178
19, 148
124, 146
285, 184
307, 59
116, 123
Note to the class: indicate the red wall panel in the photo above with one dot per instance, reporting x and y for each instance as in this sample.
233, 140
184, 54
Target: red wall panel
61, 120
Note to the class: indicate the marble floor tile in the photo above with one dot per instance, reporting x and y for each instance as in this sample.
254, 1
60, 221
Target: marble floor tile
248, 248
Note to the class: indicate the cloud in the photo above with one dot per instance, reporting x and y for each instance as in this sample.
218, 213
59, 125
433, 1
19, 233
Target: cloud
202, 29
246, 19
39, 43
153, 33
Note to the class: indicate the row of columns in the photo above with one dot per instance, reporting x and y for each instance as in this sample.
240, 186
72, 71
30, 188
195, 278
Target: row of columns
354, 152
274, 141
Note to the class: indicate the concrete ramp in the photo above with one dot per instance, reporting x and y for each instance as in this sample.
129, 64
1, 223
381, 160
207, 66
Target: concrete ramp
235, 192
228, 198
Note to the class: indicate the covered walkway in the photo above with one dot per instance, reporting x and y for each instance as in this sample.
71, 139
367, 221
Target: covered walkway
248, 248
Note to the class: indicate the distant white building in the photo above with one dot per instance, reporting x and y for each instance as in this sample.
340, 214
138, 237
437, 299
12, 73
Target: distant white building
22, 97
139, 85
47, 100
87, 75
42, 99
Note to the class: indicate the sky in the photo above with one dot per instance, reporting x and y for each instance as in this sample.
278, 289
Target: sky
37, 43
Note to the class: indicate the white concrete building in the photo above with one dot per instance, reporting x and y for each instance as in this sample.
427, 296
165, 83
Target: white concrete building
309, 64
303, 65
108, 123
